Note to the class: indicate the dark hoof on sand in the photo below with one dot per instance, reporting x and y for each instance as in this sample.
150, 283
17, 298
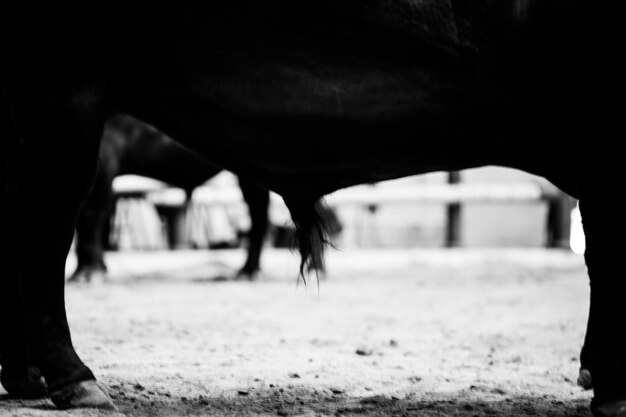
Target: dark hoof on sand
616, 409
84, 394
584, 379
26, 387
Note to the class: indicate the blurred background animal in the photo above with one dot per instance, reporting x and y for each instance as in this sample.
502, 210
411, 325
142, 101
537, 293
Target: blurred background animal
132, 147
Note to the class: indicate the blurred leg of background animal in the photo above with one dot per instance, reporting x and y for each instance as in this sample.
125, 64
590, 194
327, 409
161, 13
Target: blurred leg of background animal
258, 200
91, 226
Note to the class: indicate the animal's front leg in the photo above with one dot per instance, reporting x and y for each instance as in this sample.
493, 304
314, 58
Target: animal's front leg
56, 162
18, 377
604, 352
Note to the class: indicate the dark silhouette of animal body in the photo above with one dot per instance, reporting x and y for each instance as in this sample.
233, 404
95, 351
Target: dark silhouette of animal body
131, 147
304, 98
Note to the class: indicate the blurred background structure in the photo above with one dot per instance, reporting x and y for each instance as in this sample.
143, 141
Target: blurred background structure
483, 207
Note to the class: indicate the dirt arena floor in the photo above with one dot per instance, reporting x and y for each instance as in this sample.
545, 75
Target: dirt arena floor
425, 332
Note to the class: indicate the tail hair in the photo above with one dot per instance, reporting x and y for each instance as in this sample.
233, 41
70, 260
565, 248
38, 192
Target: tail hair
311, 237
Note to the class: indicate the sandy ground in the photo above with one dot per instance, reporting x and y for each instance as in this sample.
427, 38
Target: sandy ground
425, 332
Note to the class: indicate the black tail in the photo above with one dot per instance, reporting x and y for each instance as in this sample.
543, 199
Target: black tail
311, 233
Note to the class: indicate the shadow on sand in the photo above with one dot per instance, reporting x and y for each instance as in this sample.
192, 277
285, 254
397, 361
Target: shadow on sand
307, 401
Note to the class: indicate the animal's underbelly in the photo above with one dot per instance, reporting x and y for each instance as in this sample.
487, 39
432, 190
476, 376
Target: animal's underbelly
362, 92
356, 123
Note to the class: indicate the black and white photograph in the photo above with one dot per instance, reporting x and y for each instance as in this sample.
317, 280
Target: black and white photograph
357, 208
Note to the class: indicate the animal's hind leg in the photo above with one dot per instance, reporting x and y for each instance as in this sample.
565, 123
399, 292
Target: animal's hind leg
604, 352
57, 162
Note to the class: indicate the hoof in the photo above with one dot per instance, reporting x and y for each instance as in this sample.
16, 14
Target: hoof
616, 409
247, 276
29, 386
584, 379
84, 394
88, 275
